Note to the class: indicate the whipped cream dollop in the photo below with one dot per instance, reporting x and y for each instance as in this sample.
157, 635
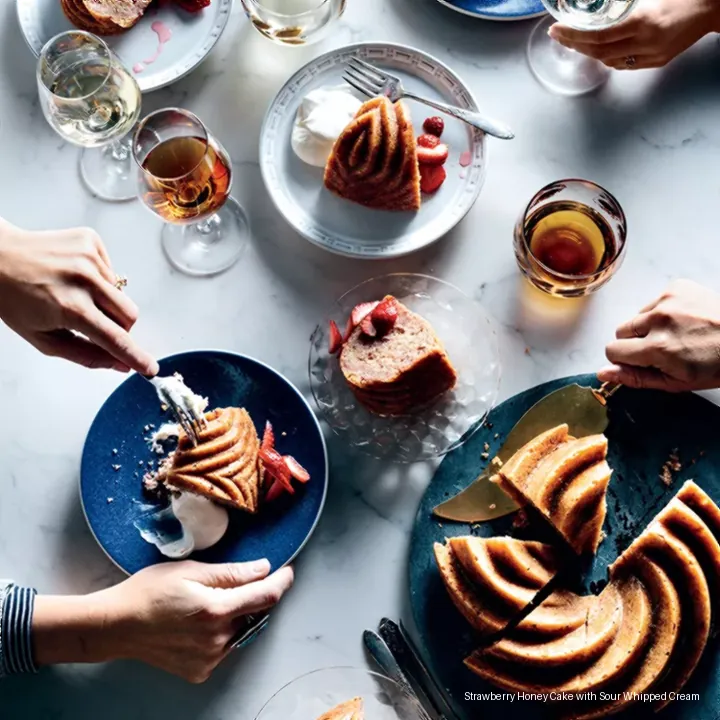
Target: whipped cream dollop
322, 116
203, 523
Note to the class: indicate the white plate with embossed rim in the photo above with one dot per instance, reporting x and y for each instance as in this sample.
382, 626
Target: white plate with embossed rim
192, 37
343, 227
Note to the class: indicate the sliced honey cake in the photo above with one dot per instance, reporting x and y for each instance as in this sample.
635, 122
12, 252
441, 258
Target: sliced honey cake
224, 464
350, 710
399, 371
492, 580
648, 629
374, 161
565, 479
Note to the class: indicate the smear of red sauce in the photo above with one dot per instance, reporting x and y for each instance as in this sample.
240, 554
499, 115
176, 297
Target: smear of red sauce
465, 158
164, 34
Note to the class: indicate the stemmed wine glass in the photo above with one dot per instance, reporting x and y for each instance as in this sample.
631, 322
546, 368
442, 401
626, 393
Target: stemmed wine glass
565, 71
185, 177
92, 100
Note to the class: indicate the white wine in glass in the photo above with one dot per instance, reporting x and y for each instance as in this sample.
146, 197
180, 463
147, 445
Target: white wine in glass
90, 99
560, 69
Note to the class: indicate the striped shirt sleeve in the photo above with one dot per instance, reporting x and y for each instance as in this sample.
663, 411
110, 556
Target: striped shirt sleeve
16, 614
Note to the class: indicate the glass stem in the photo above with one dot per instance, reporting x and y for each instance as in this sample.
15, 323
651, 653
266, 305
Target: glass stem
208, 229
120, 150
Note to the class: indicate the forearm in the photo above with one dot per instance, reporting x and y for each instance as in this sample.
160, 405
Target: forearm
73, 629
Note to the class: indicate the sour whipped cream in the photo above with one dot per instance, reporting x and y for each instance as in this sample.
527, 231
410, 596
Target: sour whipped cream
322, 116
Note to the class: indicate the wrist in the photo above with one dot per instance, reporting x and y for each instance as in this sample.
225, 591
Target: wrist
74, 629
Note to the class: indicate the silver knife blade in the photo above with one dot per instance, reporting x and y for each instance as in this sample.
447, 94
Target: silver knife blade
381, 654
409, 658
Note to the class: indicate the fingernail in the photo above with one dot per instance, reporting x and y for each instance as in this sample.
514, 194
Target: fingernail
260, 567
552, 32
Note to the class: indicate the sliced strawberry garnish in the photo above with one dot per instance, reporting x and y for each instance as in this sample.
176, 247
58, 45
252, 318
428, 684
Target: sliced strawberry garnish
433, 156
275, 467
361, 310
434, 126
335, 340
193, 5
349, 327
384, 316
431, 177
428, 141
275, 491
367, 326
296, 469
268, 441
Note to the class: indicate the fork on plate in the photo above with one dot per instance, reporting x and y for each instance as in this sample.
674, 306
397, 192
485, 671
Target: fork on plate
184, 411
371, 81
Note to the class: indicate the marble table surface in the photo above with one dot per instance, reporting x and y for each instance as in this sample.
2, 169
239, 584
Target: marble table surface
652, 138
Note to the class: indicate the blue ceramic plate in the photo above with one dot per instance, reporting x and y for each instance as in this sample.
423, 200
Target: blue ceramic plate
645, 428
498, 9
113, 500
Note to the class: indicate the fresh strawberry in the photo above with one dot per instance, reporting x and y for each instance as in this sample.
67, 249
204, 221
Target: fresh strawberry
384, 316
361, 310
434, 126
431, 177
275, 491
367, 325
349, 327
268, 441
433, 156
336, 339
193, 6
428, 141
296, 469
275, 466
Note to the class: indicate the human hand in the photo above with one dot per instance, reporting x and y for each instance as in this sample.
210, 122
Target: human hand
180, 617
673, 344
652, 35
54, 285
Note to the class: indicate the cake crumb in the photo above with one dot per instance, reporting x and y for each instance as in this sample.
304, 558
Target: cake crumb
497, 435
110, 500
672, 465
493, 506
141, 463
114, 451
163, 407
527, 350
116, 467
520, 520
484, 455
487, 447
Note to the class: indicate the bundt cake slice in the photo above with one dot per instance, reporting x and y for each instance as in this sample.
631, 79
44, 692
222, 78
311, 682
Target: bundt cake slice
374, 161
400, 372
224, 464
565, 480
124, 13
350, 710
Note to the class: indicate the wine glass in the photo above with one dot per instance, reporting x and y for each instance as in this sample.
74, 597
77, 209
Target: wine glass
185, 176
92, 100
560, 69
293, 22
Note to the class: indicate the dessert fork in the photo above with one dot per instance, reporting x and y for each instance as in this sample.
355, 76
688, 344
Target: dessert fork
371, 81
188, 417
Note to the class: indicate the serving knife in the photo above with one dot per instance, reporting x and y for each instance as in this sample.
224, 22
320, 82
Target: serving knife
584, 409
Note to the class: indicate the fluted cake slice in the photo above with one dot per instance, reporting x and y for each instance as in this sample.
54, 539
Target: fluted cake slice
350, 710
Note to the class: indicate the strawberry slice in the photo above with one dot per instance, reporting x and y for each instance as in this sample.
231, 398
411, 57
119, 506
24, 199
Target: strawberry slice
367, 326
268, 441
361, 310
193, 6
296, 469
275, 467
349, 327
437, 155
384, 316
428, 141
336, 339
431, 177
274, 492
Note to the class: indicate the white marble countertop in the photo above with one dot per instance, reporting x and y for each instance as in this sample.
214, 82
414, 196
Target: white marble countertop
652, 138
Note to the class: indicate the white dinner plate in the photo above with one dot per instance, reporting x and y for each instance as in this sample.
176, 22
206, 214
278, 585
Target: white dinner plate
344, 227
193, 36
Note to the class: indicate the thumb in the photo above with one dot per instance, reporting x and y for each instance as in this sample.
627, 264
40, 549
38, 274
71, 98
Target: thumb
228, 575
639, 377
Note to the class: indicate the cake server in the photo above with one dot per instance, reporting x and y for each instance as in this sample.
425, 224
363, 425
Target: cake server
584, 409
371, 81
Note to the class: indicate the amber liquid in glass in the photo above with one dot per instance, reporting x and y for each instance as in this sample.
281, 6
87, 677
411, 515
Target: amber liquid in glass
570, 239
186, 179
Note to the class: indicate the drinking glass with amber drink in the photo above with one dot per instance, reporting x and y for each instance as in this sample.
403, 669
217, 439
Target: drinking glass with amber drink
185, 177
570, 239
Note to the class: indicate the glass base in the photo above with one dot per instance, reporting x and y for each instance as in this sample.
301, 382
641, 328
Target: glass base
560, 69
208, 247
110, 172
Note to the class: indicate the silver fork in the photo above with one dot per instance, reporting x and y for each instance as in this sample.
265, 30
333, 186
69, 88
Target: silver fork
372, 81
167, 390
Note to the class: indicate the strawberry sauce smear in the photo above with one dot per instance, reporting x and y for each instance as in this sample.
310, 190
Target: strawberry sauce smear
164, 35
